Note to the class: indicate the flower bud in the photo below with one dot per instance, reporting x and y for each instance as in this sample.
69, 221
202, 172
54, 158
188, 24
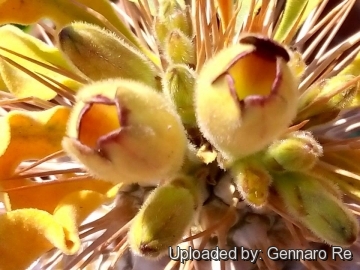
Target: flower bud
172, 16
245, 97
99, 54
124, 131
165, 217
178, 83
326, 96
297, 63
252, 180
320, 211
179, 49
298, 151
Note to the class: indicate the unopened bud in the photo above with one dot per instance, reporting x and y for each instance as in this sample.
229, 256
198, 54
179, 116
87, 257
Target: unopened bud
179, 83
99, 54
297, 63
164, 218
298, 151
252, 180
246, 97
316, 208
172, 16
179, 48
124, 131
327, 96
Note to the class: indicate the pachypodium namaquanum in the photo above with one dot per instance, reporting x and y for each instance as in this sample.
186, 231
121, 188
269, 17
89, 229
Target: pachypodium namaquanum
183, 123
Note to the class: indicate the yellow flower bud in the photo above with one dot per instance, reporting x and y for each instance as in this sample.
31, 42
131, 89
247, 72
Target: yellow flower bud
320, 211
165, 217
179, 83
179, 49
297, 63
325, 97
298, 151
253, 181
99, 54
246, 97
172, 16
124, 131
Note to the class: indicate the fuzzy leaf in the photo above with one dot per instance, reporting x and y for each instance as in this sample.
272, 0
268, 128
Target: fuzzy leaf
45, 129
21, 84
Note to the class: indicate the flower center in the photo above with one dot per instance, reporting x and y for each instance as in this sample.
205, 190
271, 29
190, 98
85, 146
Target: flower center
253, 75
98, 119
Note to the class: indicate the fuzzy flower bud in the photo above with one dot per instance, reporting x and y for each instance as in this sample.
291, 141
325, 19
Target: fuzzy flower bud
297, 63
165, 217
327, 96
246, 97
99, 54
298, 151
124, 131
179, 49
252, 180
320, 211
172, 16
179, 83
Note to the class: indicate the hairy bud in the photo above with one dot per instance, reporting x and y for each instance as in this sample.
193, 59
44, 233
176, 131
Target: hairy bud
165, 217
179, 83
298, 151
252, 180
124, 131
320, 211
99, 54
246, 97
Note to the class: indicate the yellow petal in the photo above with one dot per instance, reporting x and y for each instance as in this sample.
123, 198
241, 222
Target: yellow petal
46, 196
61, 11
25, 234
72, 211
30, 135
18, 82
40, 231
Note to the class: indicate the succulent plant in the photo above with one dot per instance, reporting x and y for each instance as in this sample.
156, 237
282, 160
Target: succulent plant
131, 129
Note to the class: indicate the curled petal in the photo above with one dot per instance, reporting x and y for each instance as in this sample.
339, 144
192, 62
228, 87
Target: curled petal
45, 129
71, 212
34, 226
40, 231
